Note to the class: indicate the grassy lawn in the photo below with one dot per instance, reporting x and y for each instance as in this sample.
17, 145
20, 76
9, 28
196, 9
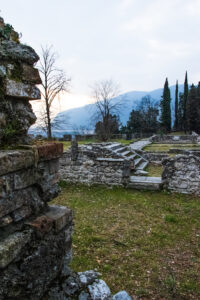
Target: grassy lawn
167, 147
147, 243
154, 170
124, 142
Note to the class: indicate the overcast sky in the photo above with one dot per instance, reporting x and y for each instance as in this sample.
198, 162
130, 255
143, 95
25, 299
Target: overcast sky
135, 42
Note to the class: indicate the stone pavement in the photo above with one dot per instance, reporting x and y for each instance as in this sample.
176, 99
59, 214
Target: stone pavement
140, 144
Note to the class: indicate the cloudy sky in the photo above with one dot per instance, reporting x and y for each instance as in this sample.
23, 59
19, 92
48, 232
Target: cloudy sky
135, 42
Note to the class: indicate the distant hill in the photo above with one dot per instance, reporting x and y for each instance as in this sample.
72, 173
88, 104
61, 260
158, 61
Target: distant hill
73, 119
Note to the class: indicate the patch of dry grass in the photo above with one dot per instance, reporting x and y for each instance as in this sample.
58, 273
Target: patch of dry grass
145, 242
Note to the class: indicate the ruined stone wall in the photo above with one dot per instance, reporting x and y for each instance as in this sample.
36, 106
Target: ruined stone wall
18, 78
175, 139
35, 238
182, 174
90, 169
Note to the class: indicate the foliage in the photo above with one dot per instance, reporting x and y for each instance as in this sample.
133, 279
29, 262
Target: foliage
193, 109
185, 97
108, 126
5, 31
176, 125
144, 119
165, 105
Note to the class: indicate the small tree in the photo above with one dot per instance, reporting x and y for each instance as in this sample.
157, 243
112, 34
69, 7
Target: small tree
104, 94
54, 82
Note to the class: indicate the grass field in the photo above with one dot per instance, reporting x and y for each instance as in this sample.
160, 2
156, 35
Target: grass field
147, 243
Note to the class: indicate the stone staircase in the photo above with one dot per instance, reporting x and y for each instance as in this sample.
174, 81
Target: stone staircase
138, 162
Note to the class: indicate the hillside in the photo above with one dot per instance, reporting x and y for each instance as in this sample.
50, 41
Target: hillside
73, 119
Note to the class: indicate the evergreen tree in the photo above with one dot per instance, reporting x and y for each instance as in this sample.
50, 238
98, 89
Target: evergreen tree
180, 112
185, 97
193, 109
166, 108
176, 107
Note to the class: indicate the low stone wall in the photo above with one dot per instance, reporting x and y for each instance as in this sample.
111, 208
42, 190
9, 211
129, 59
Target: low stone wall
175, 139
35, 239
90, 169
182, 174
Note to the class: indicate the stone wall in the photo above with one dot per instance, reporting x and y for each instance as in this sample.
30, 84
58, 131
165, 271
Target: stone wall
18, 78
35, 238
90, 169
182, 174
175, 139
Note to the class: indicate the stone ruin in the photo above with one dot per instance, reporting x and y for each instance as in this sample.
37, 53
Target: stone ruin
35, 237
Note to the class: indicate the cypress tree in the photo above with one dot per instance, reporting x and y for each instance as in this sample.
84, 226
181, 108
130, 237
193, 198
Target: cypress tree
193, 109
180, 112
176, 108
185, 97
166, 108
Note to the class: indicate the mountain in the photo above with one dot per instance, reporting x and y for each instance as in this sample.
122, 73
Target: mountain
73, 120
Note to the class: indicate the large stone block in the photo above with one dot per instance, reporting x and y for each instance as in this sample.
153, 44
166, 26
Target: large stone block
14, 160
10, 50
11, 247
60, 215
21, 90
30, 74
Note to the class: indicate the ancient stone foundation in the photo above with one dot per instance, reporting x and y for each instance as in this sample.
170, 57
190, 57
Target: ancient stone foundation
35, 239
182, 174
91, 169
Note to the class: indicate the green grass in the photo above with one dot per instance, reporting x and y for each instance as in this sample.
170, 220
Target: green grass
154, 170
147, 243
67, 145
167, 147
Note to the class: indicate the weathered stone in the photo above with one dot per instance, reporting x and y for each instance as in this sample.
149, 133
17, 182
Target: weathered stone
14, 160
41, 224
87, 277
21, 90
5, 221
11, 247
60, 215
122, 295
30, 74
182, 174
10, 50
83, 296
99, 290
21, 213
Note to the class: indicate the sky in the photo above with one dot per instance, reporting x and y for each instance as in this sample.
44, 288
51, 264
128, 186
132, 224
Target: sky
137, 43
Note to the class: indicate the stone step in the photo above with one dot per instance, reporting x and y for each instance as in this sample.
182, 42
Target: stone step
125, 152
137, 161
113, 146
145, 183
119, 150
131, 157
140, 172
142, 165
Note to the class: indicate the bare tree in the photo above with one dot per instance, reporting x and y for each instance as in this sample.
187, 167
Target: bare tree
107, 103
54, 82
